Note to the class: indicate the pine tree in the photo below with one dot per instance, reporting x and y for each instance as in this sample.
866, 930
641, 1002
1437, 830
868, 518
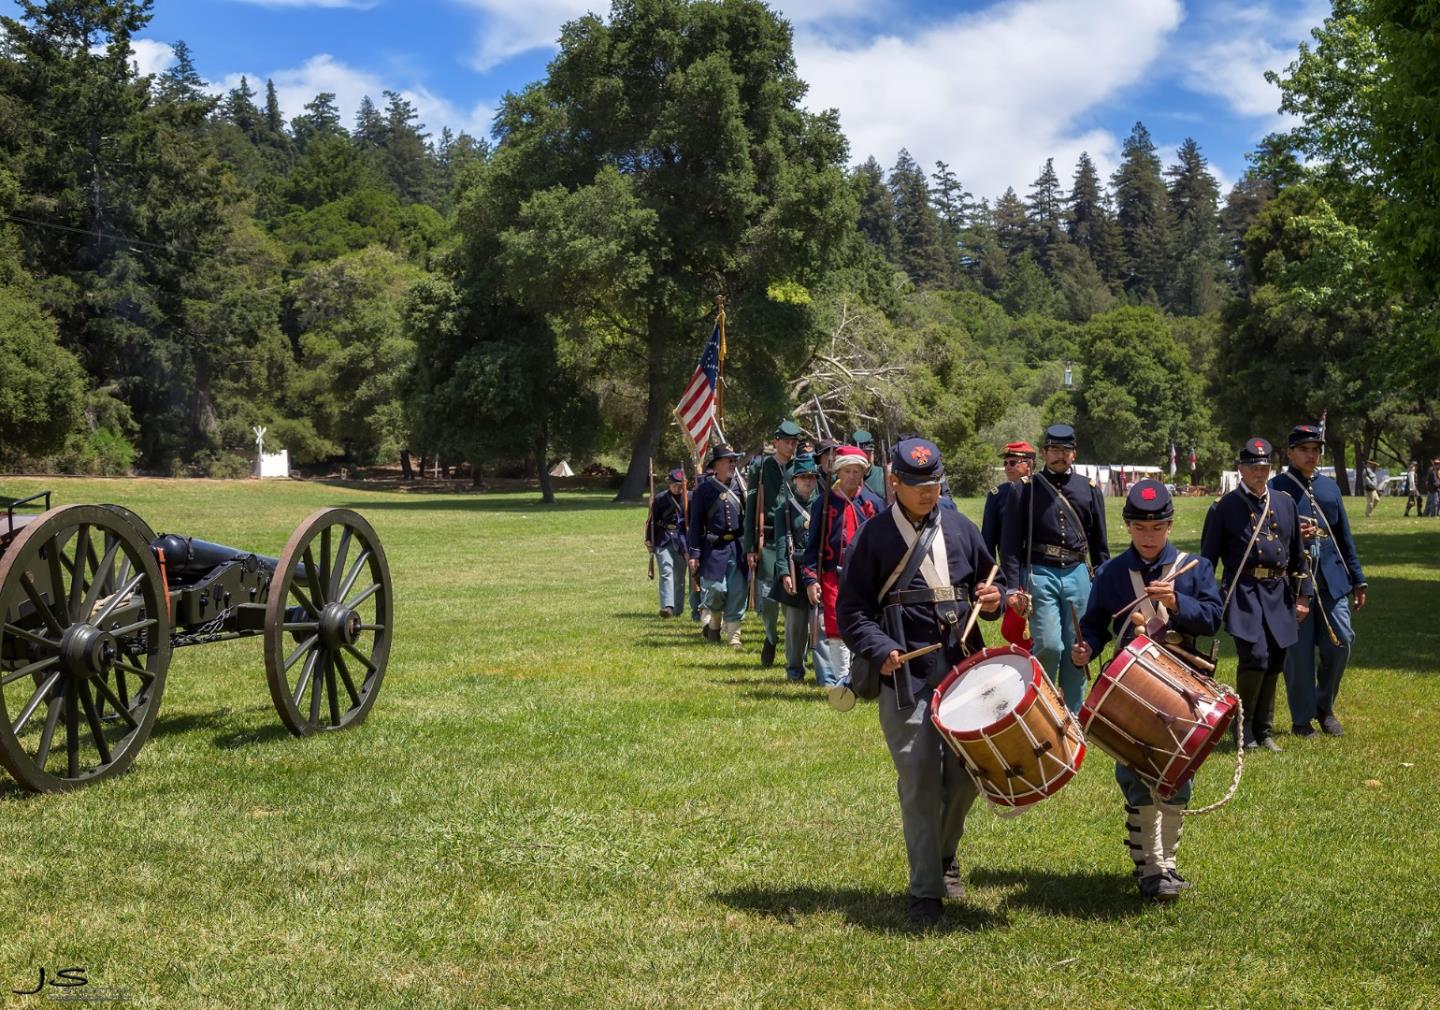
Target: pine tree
1141, 213
406, 155
920, 241
181, 82
274, 119
240, 110
877, 207
1045, 212
1193, 197
1011, 224
320, 119
369, 133
951, 201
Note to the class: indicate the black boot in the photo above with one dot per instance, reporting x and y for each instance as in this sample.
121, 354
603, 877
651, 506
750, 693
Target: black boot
1265, 710
767, 653
1248, 684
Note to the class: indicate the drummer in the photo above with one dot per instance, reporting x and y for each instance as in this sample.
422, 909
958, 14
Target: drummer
935, 791
1173, 613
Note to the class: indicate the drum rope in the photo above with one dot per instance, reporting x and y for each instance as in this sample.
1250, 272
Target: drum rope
1239, 759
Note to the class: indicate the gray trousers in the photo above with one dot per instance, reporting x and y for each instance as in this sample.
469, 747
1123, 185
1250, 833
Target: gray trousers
935, 791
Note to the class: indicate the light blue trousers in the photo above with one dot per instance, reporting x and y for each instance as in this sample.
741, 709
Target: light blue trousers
1054, 591
728, 595
1311, 688
674, 573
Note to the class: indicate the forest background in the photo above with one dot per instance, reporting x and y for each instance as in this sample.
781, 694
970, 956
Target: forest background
176, 267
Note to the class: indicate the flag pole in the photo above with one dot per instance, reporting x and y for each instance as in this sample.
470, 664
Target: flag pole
720, 379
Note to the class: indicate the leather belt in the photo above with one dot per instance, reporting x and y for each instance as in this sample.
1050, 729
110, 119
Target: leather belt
1053, 554
905, 597
722, 538
1265, 572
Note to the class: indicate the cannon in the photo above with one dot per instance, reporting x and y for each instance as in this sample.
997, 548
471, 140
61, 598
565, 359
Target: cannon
93, 604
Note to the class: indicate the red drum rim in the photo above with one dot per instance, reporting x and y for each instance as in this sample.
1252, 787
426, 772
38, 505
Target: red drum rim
1212, 728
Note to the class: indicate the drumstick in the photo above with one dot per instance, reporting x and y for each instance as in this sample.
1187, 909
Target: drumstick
1145, 596
1075, 621
905, 657
975, 610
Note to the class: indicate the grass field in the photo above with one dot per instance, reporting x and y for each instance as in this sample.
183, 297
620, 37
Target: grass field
561, 801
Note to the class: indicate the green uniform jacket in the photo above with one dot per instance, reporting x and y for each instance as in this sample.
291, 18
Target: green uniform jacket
773, 476
875, 481
794, 527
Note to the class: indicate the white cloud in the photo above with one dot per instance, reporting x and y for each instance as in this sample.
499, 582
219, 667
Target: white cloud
1235, 43
296, 86
151, 56
994, 93
509, 27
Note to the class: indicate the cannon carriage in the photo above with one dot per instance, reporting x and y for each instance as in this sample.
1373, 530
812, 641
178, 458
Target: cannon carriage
93, 604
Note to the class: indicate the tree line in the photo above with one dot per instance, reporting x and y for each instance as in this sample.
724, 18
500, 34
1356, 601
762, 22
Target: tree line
176, 266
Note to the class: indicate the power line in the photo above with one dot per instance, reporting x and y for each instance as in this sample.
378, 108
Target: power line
20, 219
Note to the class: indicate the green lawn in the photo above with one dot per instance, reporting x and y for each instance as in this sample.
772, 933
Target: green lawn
561, 801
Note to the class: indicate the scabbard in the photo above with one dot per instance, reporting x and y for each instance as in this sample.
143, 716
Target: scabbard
895, 628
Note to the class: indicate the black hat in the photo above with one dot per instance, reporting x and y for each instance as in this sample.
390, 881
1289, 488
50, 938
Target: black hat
825, 445
787, 429
1303, 433
1148, 500
1060, 435
722, 451
1255, 451
862, 438
677, 476
917, 462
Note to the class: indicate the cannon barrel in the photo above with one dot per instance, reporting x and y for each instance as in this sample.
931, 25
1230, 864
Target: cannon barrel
189, 557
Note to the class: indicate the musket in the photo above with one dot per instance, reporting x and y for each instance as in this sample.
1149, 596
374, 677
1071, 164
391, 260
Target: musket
759, 522
820, 413
650, 521
685, 511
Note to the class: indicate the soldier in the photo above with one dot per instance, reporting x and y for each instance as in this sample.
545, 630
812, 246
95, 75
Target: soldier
1174, 613
1413, 498
698, 610
1053, 522
665, 535
717, 518
1432, 485
1371, 481
766, 484
875, 476
792, 529
1019, 460
825, 460
1312, 690
1255, 533
935, 791
835, 518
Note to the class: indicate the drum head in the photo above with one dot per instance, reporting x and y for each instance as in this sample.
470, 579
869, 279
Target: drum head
987, 692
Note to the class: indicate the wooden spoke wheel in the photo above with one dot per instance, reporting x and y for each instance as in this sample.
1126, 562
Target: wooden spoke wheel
84, 646
328, 623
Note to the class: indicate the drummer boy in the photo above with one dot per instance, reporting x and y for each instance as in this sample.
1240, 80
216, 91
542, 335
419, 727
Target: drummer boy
1175, 609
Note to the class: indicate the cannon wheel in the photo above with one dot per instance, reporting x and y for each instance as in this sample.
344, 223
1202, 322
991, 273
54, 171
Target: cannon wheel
328, 623
85, 618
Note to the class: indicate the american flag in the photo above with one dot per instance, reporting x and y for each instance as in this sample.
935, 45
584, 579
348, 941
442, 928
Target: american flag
696, 412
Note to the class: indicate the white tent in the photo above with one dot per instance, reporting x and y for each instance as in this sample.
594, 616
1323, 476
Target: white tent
561, 469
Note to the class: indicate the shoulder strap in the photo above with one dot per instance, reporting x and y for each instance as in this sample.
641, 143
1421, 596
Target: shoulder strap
1235, 577
1065, 504
1320, 514
904, 572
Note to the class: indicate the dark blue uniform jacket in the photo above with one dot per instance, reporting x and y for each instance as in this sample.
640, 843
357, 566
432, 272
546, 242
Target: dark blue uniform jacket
665, 526
716, 522
873, 556
1053, 524
1195, 592
994, 519
1257, 603
865, 506
1338, 564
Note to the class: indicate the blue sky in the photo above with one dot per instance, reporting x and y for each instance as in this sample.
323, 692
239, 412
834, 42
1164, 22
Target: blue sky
993, 87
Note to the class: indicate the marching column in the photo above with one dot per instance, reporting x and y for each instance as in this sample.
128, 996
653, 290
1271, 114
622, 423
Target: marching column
1053, 523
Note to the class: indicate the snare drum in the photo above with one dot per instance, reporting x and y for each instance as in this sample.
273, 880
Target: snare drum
1155, 715
1004, 719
